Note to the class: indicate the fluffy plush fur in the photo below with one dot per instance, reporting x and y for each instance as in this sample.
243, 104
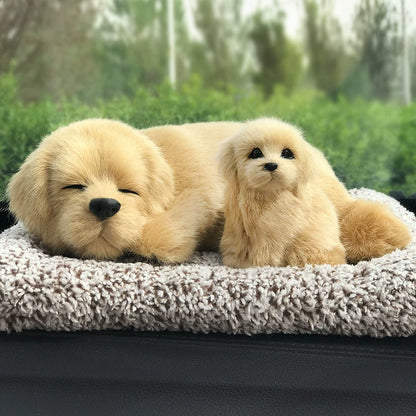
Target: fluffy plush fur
285, 206
157, 194
276, 212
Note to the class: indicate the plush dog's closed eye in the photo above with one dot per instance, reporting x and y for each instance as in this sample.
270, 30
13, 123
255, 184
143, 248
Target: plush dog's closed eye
75, 186
128, 191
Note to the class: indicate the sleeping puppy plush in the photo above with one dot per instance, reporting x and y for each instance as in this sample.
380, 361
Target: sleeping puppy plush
100, 188
285, 206
276, 212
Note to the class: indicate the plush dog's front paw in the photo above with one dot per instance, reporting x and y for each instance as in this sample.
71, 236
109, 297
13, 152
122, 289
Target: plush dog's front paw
165, 242
309, 255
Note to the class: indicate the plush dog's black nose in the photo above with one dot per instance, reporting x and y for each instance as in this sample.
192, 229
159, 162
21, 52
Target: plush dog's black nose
270, 166
104, 208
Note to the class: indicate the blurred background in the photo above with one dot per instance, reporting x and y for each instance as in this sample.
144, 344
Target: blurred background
344, 71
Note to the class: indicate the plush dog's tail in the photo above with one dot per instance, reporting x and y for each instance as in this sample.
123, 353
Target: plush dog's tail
369, 229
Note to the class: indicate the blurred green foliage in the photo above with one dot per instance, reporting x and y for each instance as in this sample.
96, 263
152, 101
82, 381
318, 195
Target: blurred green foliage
97, 50
369, 143
279, 58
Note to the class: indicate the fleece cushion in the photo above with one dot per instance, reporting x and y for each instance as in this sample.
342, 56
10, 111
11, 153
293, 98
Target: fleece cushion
40, 291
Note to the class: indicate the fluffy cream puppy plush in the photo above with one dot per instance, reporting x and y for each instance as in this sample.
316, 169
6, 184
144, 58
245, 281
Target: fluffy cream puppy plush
99, 188
285, 206
276, 212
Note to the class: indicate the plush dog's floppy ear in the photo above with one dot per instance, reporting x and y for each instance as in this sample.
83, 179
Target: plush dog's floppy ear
227, 162
27, 192
161, 186
307, 167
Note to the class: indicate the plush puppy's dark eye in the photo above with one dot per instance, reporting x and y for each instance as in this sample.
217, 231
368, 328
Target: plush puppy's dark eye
76, 186
128, 191
255, 153
287, 154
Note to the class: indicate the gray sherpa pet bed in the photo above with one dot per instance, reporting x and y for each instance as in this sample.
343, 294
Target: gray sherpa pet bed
376, 298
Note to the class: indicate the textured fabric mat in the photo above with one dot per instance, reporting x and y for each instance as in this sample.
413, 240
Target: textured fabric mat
376, 298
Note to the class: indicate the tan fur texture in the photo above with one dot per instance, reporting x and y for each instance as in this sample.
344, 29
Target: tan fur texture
369, 230
280, 217
171, 169
179, 205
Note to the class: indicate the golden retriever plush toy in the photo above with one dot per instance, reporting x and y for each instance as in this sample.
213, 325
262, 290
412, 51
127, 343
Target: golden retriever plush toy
285, 206
99, 188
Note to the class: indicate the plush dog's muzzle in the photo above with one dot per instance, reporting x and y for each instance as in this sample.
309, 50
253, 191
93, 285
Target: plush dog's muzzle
104, 208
